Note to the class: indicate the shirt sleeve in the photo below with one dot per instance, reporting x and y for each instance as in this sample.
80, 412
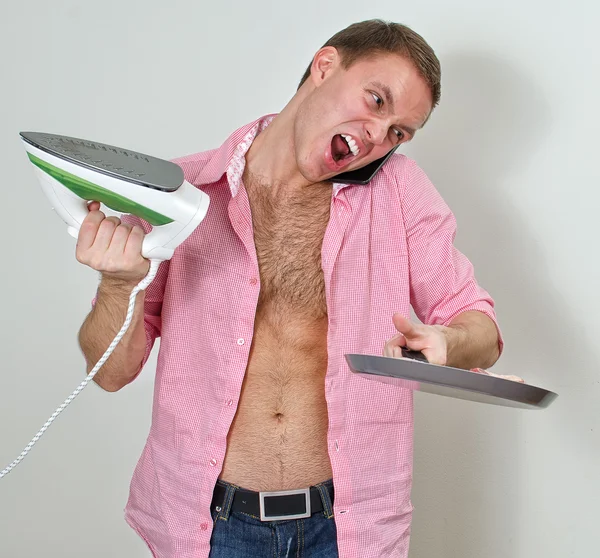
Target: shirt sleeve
153, 297
442, 279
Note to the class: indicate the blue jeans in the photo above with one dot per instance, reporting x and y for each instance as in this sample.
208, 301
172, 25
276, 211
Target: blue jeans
241, 535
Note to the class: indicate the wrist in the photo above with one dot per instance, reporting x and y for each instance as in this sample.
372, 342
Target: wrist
456, 337
116, 285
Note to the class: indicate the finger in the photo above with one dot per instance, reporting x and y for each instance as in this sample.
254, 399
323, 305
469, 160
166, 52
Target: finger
433, 356
398, 340
393, 343
397, 352
133, 248
106, 230
89, 230
94, 206
405, 326
118, 241
508, 377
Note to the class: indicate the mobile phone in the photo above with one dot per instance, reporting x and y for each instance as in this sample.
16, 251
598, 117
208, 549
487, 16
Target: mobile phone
365, 174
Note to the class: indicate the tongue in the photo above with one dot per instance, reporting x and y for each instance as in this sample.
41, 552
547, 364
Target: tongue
339, 148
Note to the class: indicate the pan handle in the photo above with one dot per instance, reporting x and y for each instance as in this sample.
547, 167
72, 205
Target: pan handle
415, 355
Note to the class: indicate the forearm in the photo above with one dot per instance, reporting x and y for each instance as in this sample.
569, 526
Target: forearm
102, 325
472, 341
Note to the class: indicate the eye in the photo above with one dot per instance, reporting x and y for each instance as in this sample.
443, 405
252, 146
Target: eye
399, 134
377, 99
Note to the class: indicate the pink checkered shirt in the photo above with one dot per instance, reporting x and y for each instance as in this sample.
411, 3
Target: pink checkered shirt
388, 245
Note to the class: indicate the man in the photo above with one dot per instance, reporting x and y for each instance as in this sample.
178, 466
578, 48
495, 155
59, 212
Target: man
287, 273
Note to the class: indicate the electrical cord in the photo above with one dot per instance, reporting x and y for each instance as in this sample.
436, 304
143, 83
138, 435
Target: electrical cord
143, 284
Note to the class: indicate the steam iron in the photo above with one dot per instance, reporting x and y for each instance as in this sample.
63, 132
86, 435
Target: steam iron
73, 171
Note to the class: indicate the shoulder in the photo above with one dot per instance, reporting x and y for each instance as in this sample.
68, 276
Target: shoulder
413, 187
404, 175
199, 158
197, 167
403, 172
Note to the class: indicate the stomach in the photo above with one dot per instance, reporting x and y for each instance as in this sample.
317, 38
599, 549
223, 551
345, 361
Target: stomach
278, 438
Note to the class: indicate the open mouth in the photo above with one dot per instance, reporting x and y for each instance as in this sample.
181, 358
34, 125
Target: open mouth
343, 149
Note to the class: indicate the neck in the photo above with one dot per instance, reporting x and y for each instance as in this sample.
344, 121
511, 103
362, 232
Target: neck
272, 154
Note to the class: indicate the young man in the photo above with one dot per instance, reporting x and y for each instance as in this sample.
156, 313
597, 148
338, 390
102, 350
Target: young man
287, 273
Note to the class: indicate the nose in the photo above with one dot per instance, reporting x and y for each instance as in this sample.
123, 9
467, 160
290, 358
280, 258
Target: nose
376, 131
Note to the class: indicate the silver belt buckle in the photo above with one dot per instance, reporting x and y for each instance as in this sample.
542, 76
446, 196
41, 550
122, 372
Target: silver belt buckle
263, 495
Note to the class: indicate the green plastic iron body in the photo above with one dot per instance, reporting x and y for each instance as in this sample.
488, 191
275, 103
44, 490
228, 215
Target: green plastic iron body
72, 171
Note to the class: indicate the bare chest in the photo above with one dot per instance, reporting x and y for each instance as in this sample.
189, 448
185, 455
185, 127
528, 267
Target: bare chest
288, 235
278, 439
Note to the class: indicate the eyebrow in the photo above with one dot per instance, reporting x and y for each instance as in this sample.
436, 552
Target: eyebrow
389, 98
387, 93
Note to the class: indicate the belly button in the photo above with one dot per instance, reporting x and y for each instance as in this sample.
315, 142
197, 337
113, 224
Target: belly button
278, 416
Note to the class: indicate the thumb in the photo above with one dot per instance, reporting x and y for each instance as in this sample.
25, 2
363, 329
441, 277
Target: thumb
93, 206
405, 326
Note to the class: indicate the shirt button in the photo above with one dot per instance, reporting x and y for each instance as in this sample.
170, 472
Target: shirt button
204, 526
253, 281
213, 462
240, 341
337, 447
230, 403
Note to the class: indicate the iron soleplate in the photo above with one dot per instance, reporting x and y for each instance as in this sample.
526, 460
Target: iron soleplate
110, 160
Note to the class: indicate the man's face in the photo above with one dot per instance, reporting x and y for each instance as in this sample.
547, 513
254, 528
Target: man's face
355, 116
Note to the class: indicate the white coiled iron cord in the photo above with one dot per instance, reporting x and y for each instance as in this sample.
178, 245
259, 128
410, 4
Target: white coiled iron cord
139, 287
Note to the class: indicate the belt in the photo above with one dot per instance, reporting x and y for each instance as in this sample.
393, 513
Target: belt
273, 506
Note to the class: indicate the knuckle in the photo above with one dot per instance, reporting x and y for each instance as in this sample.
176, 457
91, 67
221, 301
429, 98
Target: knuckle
113, 265
95, 262
112, 219
106, 224
117, 264
121, 231
89, 219
94, 217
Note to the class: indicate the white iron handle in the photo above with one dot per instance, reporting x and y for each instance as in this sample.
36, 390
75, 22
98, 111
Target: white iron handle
191, 205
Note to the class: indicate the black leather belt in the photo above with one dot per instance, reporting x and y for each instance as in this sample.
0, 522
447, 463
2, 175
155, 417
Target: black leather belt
273, 506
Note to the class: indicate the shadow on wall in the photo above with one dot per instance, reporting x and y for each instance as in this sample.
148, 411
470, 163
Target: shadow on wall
468, 471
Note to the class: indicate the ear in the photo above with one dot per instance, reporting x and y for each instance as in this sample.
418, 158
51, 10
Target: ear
324, 63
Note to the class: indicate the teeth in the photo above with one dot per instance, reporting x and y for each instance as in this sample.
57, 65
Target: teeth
351, 144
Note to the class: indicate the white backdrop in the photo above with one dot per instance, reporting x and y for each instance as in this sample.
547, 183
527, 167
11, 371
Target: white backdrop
512, 148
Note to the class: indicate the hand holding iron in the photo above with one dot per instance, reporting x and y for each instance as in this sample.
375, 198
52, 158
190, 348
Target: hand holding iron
111, 247
429, 339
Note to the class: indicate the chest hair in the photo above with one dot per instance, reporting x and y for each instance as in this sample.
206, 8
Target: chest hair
288, 233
